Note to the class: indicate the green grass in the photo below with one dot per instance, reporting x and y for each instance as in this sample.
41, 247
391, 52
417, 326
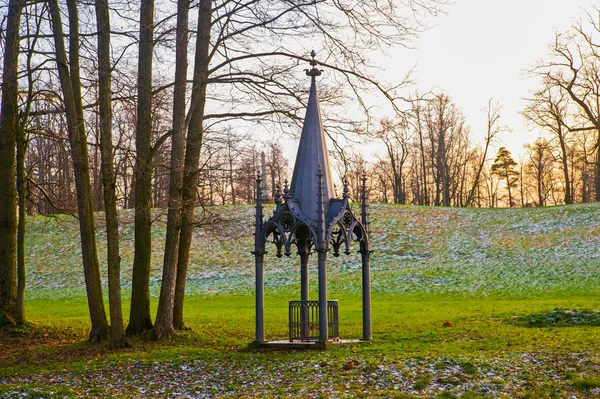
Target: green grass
467, 303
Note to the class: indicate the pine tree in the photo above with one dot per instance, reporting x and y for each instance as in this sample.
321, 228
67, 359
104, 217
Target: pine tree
504, 167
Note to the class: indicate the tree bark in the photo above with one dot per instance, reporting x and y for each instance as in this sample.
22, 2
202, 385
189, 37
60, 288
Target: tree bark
192, 153
21, 178
597, 169
508, 185
423, 163
21, 194
565, 164
117, 330
443, 168
164, 317
79, 153
8, 191
140, 320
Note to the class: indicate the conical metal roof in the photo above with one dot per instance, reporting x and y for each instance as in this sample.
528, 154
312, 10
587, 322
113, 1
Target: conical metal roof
312, 155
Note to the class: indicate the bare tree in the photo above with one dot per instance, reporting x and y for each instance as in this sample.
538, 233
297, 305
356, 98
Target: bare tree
32, 30
396, 136
573, 68
548, 109
541, 166
117, 330
192, 153
164, 325
418, 117
8, 195
277, 164
493, 129
140, 320
79, 154
446, 128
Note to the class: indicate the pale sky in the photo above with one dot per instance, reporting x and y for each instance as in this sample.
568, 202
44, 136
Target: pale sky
481, 49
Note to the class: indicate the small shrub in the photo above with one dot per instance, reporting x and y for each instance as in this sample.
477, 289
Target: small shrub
468, 368
471, 395
560, 318
422, 382
586, 384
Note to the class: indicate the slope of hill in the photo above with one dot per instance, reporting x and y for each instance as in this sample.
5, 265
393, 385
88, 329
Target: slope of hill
467, 303
508, 252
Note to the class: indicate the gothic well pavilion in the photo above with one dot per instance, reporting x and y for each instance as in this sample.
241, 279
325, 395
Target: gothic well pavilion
308, 216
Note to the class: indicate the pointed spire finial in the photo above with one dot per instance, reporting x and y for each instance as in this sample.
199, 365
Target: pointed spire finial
364, 213
346, 189
313, 72
312, 153
286, 190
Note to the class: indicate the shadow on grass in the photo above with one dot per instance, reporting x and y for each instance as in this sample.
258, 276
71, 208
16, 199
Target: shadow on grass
559, 318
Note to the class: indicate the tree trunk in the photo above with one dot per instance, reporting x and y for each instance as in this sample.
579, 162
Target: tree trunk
597, 169
164, 316
443, 170
140, 320
79, 153
565, 167
510, 201
21, 224
8, 192
192, 153
117, 330
540, 182
471, 195
425, 199
21, 183
231, 176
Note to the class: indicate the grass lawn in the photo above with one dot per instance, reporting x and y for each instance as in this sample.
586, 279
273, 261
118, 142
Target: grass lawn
467, 303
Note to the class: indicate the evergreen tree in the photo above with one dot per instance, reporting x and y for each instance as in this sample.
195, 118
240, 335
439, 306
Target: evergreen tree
504, 167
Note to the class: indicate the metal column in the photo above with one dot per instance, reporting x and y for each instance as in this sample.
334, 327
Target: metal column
323, 316
260, 298
366, 293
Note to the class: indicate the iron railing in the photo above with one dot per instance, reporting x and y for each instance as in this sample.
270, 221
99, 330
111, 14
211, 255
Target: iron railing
304, 320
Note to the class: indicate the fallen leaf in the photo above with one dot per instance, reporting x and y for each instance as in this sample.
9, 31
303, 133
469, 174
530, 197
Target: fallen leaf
351, 364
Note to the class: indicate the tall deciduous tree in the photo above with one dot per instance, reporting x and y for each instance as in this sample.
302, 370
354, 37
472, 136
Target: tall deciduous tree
540, 167
192, 153
79, 155
276, 165
574, 68
140, 319
395, 137
164, 325
32, 27
548, 110
117, 330
493, 129
446, 127
8, 196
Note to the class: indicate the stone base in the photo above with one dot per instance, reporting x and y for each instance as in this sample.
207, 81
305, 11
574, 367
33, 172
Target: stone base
301, 345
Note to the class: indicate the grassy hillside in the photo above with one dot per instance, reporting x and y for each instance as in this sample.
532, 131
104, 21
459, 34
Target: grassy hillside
507, 252
469, 303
